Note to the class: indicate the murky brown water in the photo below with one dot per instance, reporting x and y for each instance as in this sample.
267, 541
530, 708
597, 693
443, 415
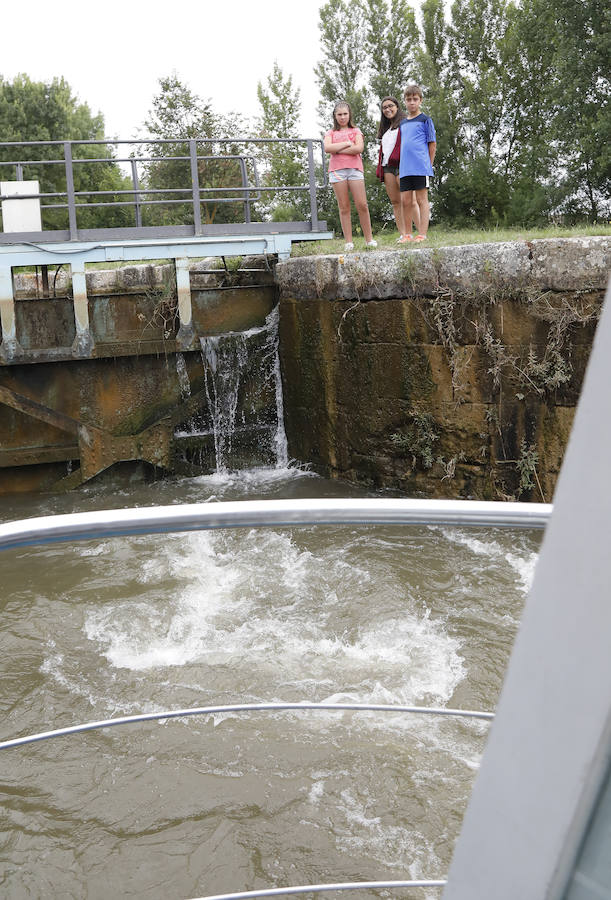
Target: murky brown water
191, 807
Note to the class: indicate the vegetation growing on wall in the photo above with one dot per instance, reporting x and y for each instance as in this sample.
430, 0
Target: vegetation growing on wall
417, 439
536, 370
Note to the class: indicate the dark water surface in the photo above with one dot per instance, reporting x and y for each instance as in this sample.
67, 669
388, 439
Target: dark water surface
190, 807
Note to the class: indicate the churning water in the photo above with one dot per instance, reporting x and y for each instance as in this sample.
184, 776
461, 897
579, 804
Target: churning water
184, 808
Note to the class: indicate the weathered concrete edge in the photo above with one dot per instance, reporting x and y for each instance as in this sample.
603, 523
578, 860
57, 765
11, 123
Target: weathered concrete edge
493, 269
508, 269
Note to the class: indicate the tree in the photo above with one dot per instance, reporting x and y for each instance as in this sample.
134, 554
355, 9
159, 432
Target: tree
343, 72
285, 164
575, 36
484, 59
391, 44
179, 115
48, 111
435, 69
518, 90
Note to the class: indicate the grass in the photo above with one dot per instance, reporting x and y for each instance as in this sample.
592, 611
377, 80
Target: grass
442, 236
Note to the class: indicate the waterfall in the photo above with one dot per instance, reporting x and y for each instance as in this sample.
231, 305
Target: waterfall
244, 392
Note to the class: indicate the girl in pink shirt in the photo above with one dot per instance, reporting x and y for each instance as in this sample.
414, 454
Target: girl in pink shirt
344, 144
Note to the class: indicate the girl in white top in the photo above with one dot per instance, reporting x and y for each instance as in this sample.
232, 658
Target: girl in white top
388, 166
344, 143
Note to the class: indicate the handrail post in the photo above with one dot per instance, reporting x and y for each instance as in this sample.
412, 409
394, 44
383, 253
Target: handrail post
197, 213
247, 192
136, 185
312, 183
70, 191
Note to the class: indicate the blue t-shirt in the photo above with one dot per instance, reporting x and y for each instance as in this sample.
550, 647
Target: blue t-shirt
416, 135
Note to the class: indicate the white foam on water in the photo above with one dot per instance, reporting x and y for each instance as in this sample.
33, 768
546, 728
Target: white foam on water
158, 632
523, 566
54, 666
365, 834
253, 480
316, 792
280, 618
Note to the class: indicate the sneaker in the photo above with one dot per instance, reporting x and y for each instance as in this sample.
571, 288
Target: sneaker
349, 247
373, 244
420, 237
405, 239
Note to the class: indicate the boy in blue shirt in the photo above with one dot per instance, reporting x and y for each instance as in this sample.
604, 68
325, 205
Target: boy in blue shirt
418, 145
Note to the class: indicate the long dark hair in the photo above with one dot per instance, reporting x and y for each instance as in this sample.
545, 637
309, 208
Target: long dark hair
339, 104
386, 123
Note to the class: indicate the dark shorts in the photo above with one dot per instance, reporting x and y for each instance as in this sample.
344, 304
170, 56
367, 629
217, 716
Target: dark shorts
415, 182
390, 170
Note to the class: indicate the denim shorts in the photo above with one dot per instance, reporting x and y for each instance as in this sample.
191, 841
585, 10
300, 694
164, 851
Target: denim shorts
345, 175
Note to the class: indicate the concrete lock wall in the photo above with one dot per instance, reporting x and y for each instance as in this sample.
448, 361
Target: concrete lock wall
442, 373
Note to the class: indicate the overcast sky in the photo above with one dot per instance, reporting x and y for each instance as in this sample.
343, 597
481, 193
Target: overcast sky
113, 53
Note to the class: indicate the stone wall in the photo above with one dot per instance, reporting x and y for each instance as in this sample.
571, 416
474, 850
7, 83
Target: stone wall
448, 373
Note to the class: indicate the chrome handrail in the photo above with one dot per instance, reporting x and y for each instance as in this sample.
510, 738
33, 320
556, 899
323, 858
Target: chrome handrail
244, 707
269, 513
341, 886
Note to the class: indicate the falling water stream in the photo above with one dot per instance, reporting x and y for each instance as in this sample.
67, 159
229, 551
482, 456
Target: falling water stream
243, 387
185, 808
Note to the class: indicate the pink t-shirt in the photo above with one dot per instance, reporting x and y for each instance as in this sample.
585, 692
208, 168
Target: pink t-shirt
344, 160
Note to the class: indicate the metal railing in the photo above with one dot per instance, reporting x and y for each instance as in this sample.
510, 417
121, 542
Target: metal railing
303, 706
288, 513
271, 513
245, 188
322, 888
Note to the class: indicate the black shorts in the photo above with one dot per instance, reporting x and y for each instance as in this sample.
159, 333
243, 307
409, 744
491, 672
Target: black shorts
390, 170
414, 182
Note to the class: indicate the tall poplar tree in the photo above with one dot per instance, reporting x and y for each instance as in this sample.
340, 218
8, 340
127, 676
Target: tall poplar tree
435, 67
342, 73
575, 100
285, 164
391, 45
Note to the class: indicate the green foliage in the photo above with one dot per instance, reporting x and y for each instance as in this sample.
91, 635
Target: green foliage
518, 90
527, 466
390, 28
48, 111
179, 115
417, 439
577, 101
283, 164
343, 72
